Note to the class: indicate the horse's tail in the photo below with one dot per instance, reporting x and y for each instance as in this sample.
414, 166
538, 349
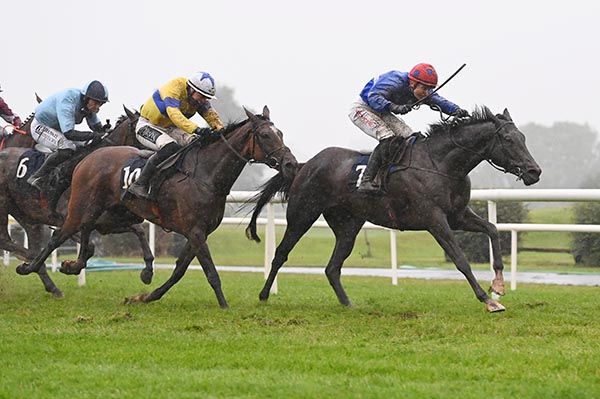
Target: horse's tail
277, 184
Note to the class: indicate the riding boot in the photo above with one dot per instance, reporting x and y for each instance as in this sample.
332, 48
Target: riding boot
140, 188
38, 179
378, 156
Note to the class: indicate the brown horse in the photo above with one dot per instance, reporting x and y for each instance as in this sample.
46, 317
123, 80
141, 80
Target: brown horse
429, 190
30, 208
190, 202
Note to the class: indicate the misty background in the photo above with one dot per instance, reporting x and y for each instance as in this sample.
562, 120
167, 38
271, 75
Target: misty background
308, 61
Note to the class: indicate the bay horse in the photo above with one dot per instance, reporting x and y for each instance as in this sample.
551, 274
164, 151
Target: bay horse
429, 191
30, 208
191, 202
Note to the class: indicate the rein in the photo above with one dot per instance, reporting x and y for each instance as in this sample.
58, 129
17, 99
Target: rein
497, 137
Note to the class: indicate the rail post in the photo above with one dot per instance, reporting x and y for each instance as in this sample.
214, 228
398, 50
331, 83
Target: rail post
394, 257
270, 244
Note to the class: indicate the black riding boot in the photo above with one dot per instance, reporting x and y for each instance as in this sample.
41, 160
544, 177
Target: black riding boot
141, 187
37, 180
367, 184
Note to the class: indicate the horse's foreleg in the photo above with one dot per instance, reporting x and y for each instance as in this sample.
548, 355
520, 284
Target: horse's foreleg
7, 243
345, 228
198, 241
148, 271
181, 266
470, 221
35, 235
442, 233
86, 251
78, 216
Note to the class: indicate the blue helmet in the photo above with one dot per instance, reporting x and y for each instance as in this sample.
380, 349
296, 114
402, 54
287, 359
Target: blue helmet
96, 91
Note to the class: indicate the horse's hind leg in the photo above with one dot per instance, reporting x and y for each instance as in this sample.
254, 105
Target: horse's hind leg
35, 235
470, 221
298, 223
148, 271
345, 227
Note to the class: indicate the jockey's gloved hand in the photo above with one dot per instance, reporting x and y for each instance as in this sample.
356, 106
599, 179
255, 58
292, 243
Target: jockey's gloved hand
98, 136
460, 113
206, 132
400, 109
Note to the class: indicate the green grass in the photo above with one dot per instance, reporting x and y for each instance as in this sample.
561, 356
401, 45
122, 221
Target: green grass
421, 339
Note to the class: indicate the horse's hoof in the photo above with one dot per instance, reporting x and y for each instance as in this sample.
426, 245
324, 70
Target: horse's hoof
69, 267
23, 269
146, 276
494, 306
263, 297
58, 294
135, 299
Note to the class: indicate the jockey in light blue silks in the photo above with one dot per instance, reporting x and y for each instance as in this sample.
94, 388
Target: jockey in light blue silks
54, 125
394, 92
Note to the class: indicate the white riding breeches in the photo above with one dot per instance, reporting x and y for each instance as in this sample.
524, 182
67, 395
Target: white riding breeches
155, 137
51, 138
377, 125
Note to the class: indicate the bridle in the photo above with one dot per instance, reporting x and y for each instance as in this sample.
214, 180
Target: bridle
514, 169
270, 159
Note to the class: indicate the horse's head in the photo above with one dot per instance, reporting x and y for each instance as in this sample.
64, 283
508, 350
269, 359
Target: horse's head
509, 150
266, 145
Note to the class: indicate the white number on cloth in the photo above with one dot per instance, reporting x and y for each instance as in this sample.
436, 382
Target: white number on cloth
22, 168
361, 169
130, 176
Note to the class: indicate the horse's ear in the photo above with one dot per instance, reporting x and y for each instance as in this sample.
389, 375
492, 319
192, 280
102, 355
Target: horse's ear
130, 114
249, 114
266, 112
38, 98
506, 114
490, 115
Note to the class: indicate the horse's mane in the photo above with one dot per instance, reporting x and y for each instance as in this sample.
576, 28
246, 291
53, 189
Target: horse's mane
28, 119
479, 114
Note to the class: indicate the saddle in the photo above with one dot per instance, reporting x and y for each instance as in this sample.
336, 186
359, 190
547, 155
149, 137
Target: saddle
399, 149
132, 169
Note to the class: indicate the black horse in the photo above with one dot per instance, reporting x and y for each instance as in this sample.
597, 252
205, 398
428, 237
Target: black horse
429, 190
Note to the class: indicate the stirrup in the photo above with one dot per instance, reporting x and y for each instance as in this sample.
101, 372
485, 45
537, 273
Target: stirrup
37, 182
139, 191
368, 186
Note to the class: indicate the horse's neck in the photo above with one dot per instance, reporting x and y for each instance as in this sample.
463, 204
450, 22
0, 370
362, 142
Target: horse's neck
460, 153
218, 166
122, 134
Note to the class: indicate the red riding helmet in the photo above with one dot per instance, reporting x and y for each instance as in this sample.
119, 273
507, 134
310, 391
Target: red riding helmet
424, 73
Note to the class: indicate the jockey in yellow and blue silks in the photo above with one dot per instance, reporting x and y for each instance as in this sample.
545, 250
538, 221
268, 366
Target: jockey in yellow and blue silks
394, 92
164, 125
